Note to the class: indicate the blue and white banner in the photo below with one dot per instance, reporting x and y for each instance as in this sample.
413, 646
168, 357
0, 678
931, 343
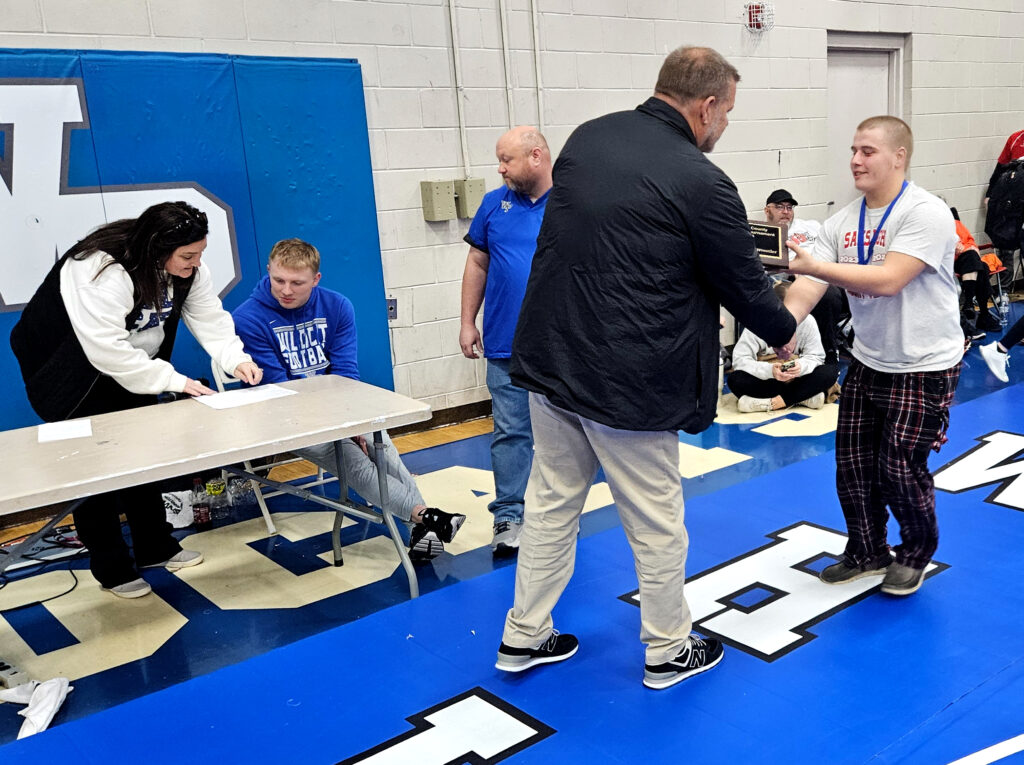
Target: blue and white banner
268, 148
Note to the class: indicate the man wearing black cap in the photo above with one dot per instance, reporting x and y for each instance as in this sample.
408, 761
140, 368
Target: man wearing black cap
778, 209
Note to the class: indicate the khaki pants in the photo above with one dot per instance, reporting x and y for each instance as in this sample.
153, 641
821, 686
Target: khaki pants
642, 469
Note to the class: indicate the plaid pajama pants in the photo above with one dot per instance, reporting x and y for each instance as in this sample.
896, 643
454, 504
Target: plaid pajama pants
888, 424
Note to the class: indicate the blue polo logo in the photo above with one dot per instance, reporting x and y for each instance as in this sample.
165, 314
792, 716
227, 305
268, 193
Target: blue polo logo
42, 216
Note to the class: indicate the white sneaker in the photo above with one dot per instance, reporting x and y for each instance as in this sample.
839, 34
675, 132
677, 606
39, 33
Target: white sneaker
750, 404
133, 589
816, 401
997, 361
183, 559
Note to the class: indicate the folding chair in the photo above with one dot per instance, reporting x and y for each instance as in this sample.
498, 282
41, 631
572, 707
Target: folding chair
995, 268
221, 381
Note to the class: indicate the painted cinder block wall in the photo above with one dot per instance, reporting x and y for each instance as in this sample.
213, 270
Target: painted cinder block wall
965, 96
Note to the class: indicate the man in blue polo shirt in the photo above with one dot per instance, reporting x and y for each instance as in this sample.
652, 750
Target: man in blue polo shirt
502, 239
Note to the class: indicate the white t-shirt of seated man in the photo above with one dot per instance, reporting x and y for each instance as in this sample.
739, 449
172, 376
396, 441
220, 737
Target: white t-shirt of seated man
804, 232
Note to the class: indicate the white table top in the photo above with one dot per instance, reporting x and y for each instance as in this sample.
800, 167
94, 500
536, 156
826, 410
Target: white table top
167, 440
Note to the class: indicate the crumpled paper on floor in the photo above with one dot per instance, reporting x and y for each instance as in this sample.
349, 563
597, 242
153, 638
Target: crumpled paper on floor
43, 700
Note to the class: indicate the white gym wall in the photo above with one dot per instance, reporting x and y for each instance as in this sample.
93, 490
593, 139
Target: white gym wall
958, 75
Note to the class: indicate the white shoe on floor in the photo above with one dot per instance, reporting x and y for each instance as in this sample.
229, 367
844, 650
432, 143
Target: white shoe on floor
133, 589
183, 559
750, 404
816, 401
997, 361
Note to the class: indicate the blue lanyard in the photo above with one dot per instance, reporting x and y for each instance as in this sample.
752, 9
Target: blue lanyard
874, 237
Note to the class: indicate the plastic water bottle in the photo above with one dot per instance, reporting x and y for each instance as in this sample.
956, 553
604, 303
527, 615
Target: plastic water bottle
200, 506
240, 492
216, 490
1004, 306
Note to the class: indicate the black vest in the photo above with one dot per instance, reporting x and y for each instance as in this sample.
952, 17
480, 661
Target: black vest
58, 375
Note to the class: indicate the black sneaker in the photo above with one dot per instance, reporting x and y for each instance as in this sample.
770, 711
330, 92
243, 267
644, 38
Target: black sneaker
445, 525
902, 580
424, 545
558, 647
988, 322
842, 572
699, 655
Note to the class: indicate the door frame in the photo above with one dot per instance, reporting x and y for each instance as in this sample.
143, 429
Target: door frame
896, 46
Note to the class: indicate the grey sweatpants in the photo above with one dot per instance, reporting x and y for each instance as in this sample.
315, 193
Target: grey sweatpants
362, 473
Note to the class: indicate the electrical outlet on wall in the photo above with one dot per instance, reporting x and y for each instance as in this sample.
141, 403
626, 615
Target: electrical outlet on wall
392, 308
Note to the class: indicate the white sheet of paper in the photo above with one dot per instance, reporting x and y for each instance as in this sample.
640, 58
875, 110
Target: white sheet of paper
59, 431
242, 396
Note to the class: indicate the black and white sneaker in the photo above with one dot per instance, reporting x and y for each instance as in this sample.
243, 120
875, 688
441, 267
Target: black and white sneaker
445, 525
424, 545
558, 647
699, 655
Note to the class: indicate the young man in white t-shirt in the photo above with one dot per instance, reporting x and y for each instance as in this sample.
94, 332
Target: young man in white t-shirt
894, 408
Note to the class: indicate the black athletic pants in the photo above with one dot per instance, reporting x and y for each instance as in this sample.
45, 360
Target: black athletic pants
98, 517
802, 388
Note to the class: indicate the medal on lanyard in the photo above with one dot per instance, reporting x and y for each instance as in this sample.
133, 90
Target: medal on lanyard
874, 237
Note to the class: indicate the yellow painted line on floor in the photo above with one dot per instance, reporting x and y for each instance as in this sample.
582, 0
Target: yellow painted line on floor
695, 461
111, 631
781, 423
236, 576
815, 422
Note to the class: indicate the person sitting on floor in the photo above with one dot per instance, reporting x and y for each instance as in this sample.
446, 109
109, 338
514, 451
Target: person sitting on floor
764, 386
295, 329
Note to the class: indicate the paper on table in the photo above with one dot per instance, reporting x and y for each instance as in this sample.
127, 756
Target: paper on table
242, 396
58, 431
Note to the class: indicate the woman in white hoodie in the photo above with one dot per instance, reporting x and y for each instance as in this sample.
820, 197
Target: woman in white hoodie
97, 337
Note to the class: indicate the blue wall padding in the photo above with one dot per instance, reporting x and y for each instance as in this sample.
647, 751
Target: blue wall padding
282, 142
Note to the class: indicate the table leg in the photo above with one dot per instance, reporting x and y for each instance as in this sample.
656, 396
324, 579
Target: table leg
339, 516
380, 460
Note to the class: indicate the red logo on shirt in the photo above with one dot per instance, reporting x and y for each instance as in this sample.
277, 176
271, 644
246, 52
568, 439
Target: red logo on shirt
849, 253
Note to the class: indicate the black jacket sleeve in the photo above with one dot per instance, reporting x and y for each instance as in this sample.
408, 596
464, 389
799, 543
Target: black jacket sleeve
728, 264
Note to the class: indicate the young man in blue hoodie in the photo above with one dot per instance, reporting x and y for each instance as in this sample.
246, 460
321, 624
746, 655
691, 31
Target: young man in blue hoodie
293, 328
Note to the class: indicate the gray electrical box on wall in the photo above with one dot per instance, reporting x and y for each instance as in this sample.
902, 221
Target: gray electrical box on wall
469, 193
438, 200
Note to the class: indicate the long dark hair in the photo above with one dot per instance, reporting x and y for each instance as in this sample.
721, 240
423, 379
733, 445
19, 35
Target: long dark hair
142, 245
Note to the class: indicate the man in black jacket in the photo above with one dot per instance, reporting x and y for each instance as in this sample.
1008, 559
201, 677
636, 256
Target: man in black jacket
617, 342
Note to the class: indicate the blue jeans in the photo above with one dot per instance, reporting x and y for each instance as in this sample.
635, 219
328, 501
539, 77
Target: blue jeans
512, 447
